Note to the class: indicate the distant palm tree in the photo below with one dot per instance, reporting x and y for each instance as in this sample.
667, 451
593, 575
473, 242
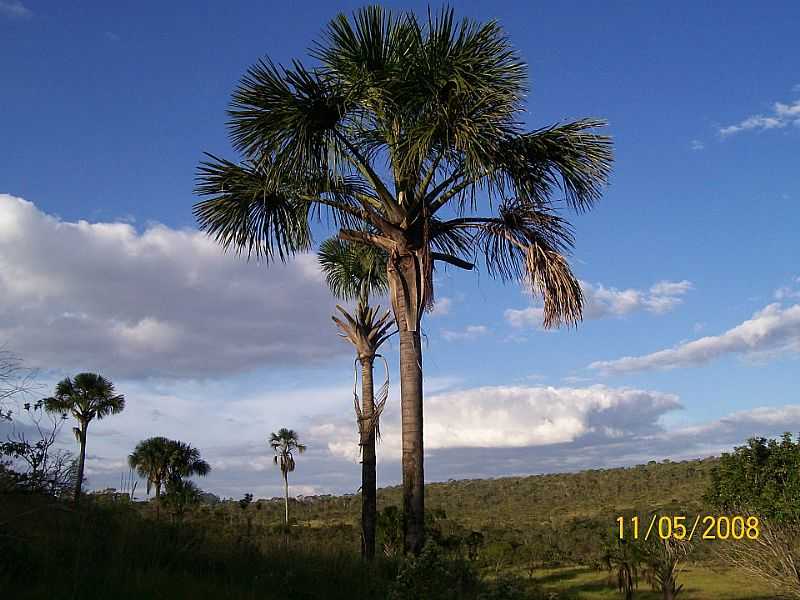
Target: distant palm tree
408, 135
284, 443
150, 460
164, 462
185, 461
354, 271
87, 397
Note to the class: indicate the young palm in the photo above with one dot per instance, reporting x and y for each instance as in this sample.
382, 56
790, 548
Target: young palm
87, 397
407, 136
150, 459
354, 271
284, 443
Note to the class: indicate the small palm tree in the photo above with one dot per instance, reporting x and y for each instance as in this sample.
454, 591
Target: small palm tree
354, 271
150, 460
408, 135
624, 558
163, 462
284, 443
87, 397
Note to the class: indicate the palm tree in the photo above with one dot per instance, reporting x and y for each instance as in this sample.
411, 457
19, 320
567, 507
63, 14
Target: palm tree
164, 462
184, 461
407, 136
353, 271
150, 460
87, 397
624, 558
284, 443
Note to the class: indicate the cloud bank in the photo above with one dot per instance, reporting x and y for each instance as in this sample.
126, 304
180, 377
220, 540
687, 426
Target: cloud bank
161, 302
774, 329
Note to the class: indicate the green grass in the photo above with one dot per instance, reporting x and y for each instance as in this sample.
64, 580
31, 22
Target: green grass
700, 583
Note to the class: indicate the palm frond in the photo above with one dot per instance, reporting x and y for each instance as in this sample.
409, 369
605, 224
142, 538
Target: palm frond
571, 157
246, 212
290, 115
523, 243
353, 270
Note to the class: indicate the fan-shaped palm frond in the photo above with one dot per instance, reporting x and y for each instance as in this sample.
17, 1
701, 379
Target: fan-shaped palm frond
353, 270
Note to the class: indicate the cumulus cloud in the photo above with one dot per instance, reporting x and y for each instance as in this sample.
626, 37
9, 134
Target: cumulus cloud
781, 115
773, 329
161, 302
601, 301
697, 145
14, 9
470, 332
515, 417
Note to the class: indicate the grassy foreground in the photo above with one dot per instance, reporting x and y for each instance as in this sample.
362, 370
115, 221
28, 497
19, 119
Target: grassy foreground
701, 582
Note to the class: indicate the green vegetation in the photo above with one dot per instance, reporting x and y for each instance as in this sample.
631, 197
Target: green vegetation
539, 535
392, 136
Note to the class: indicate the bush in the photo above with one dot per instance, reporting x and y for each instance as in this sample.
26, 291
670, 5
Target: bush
433, 577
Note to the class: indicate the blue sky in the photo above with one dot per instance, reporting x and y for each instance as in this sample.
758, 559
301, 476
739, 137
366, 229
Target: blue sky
105, 111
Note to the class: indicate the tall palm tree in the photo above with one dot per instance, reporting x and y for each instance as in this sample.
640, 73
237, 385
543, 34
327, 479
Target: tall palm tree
150, 459
407, 135
88, 396
284, 443
353, 271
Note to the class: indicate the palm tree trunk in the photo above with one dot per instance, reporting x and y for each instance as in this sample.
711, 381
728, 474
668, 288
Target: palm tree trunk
158, 500
286, 497
406, 281
81, 463
368, 463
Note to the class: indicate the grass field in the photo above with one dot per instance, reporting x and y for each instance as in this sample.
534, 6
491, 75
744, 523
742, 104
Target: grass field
700, 583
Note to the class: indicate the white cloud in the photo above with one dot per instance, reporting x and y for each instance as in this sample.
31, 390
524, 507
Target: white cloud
470, 332
697, 145
781, 115
15, 9
513, 417
601, 301
162, 302
774, 329
788, 292
442, 307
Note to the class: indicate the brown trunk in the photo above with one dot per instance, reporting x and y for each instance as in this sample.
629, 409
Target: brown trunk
81, 463
368, 463
286, 497
407, 287
413, 471
158, 500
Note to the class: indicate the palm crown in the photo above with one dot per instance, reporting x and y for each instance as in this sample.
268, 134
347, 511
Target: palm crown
87, 396
399, 120
160, 460
355, 271
284, 444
